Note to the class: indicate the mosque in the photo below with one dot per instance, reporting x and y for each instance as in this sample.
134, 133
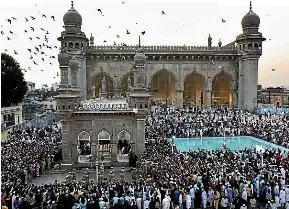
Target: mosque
106, 91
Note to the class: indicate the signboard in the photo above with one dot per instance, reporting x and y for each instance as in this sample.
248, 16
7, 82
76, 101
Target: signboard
123, 158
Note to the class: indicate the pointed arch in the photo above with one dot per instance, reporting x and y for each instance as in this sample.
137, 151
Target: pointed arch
124, 84
124, 135
96, 81
163, 87
221, 89
84, 135
193, 89
103, 135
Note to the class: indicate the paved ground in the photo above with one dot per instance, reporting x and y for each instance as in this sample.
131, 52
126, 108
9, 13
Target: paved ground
60, 176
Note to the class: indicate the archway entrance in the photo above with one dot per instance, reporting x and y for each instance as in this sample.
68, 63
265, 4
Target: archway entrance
124, 83
83, 147
221, 91
104, 145
123, 146
193, 90
97, 82
163, 88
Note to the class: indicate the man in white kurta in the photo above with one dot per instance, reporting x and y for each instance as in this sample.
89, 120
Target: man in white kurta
204, 198
188, 201
282, 197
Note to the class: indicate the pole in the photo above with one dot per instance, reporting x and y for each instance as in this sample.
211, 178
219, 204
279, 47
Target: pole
96, 163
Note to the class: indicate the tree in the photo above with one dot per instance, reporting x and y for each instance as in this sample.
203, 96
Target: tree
13, 87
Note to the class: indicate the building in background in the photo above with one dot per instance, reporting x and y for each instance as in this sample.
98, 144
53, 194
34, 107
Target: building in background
273, 96
212, 75
11, 116
55, 86
30, 86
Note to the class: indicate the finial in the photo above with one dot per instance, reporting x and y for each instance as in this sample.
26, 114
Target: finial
250, 5
72, 4
139, 41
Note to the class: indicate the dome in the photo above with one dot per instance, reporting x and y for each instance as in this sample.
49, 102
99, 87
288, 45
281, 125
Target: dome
251, 19
73, 64
63, 58
72, 17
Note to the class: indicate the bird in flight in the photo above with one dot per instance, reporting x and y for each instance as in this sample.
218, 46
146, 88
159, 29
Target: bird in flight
143, 32
26, 19
34, 63
25, 31
33, 18
53, 18
13, 18
29, 50
117, 36
163, 13
223, 20
99, 10
32, 29
43, 15
15, 52
8, 38
8, 20
127, 32
273, 70
2, 33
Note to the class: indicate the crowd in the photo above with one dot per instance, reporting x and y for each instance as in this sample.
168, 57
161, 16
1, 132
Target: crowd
196, 122
165, 178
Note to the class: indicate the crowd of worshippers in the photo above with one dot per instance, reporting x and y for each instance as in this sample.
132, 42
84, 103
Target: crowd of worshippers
196, 122
165, 178
29, 153
168, 179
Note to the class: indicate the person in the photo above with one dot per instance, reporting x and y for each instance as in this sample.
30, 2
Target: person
216, 199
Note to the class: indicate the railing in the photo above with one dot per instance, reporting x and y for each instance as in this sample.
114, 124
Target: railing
39, 122
161, 48
272, 110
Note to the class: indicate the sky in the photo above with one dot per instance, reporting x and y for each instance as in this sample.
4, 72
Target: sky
184, 22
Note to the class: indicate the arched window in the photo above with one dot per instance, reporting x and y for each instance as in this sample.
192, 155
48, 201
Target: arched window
70, 45
140, 106
250, 46
244, 47
63, 107
69, 107
77, 45
103, 135
83, 146
256, 46
146, 106
81, 45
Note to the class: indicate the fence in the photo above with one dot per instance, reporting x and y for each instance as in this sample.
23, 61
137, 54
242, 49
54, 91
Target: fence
39, 122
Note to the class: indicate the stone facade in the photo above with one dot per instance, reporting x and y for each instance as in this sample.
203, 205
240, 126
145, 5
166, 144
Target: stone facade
145, 75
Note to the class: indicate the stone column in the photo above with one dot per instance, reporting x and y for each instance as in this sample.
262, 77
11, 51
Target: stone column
207, 97
140, 136
66, 145
234, 90
179, 98
93, 92
73, 64
113, 142
63, 76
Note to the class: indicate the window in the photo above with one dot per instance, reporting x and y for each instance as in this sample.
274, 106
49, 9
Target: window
250, 46
63, 107
146, 106
77, 45
70, 45
140, 106
256, 46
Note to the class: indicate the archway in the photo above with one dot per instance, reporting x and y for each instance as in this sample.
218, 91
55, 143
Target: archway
123, 145
83, 146
193, 90
163, 87
221, 90
124, 83
104, 145
97, 81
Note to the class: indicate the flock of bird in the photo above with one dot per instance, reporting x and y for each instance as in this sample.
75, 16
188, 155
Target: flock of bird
41, 48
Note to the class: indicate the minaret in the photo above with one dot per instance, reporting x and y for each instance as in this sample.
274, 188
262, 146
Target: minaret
249, 45
74, 43
139, 95
209, 41
69, 92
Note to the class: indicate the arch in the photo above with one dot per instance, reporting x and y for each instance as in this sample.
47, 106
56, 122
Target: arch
123, 135
250, 46
103, 135
84, 135
193, 89
70, 45
81, 46
63, 107
124, 84
244, 46
256, 46
77, 45
97, 82
163, 88
221, 90
83, 146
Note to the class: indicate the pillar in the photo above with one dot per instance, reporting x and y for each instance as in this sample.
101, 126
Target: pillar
113, 142
117, 93
63, 76
140, 136
66, 145
207, 97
